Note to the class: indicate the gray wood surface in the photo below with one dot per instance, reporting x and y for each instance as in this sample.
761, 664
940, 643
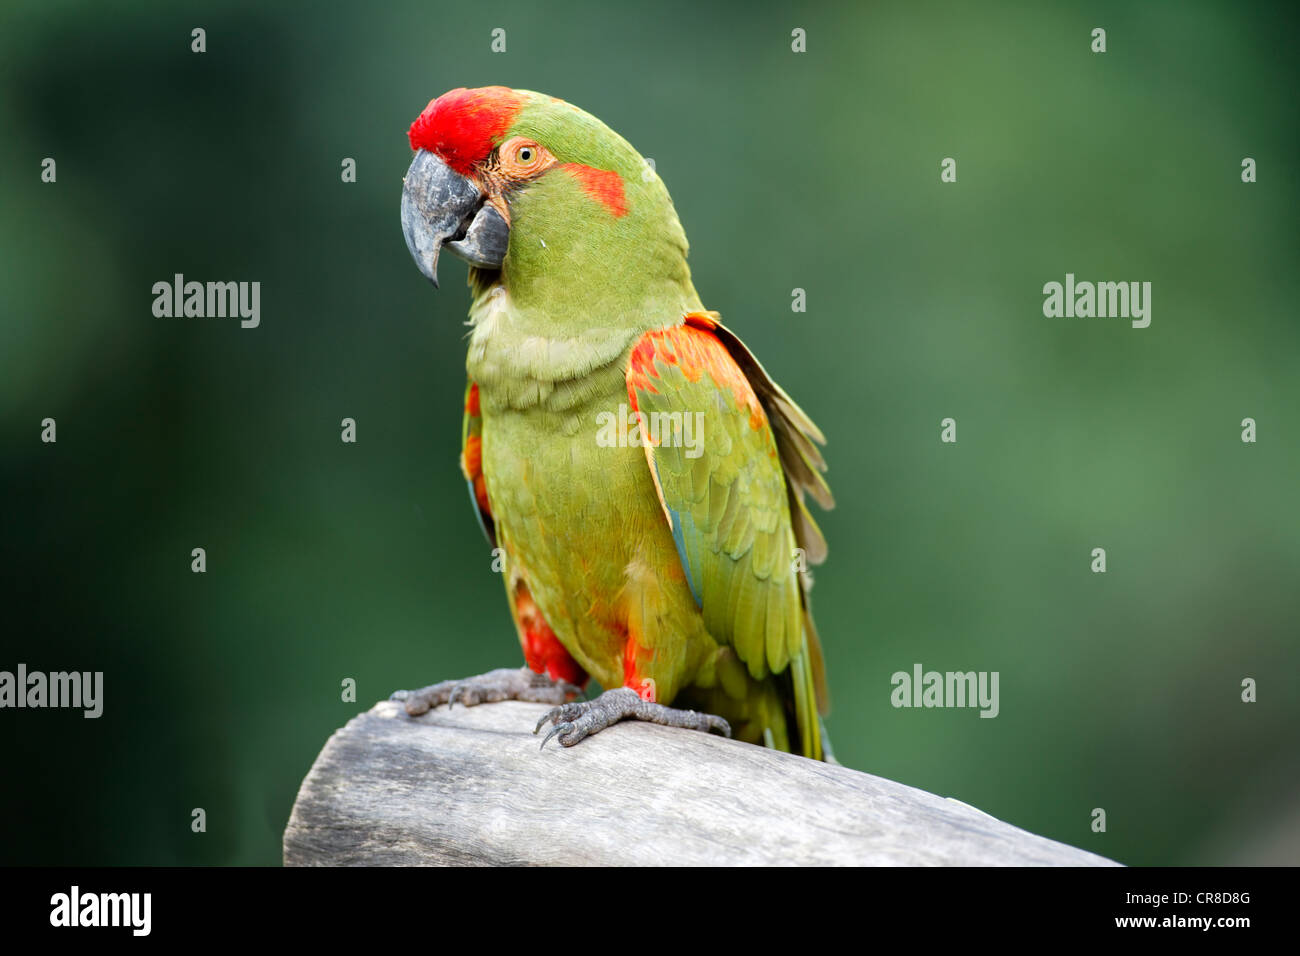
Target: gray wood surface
469, 786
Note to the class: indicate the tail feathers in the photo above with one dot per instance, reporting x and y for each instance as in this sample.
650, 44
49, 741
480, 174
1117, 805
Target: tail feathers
805, 709
811, 696
827, 754
816, 661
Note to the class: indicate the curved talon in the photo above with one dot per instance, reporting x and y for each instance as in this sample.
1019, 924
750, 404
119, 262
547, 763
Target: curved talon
466, 693
563, 728
553, 712
399, 695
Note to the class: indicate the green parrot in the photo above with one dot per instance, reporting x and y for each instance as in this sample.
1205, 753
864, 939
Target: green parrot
641, 473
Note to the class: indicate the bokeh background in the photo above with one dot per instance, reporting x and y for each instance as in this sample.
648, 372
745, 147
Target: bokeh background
817, 170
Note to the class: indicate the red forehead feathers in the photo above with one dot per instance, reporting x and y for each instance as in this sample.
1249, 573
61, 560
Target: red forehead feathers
463, 126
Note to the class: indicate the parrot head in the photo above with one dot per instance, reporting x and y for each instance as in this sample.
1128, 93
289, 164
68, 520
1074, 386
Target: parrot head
528, 189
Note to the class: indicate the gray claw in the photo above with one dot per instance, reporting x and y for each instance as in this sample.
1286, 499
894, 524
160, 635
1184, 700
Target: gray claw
452, 694
581, 720
557, 729
553, 712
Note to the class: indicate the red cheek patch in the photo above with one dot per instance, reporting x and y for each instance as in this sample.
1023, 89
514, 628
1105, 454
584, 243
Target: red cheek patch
603, 185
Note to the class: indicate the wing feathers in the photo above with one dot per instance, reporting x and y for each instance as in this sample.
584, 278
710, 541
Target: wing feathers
737, 504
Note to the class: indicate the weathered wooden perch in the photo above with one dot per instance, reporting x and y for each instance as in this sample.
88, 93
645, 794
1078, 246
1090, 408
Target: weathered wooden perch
469, 786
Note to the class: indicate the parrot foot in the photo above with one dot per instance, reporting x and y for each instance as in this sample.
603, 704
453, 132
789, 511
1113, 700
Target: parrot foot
581, 719
507, 683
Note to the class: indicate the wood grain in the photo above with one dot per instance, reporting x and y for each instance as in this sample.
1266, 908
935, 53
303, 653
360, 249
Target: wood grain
470, 786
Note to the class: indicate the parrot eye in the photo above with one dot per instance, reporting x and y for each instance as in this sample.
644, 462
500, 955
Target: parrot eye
523, 157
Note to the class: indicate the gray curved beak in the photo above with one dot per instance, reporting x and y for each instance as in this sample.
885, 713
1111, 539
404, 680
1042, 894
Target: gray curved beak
440, 206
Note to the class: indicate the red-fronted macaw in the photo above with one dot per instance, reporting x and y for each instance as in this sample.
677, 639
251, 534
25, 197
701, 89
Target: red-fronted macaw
672, 569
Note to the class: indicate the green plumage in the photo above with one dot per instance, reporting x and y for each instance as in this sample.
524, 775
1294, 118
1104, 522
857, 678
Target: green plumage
680, 567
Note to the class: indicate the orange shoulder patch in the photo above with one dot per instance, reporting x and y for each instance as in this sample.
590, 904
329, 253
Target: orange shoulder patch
697, 351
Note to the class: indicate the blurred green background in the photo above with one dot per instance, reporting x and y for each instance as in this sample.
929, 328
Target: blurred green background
817, 170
